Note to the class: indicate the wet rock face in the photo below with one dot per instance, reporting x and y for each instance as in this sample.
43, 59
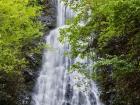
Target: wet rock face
81, 99
49, 21
66, 103
24, 98
69, 93
28, 75
31, 58
49, 14
92, 99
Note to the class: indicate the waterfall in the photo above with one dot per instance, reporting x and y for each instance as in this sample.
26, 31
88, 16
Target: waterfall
55, 86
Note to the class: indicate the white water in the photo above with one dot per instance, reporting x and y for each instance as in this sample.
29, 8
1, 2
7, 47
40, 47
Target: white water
54, 85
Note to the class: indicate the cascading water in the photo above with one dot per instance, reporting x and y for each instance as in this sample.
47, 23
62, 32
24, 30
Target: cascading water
55, 86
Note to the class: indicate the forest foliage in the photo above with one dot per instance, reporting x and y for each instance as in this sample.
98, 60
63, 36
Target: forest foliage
19, 25
105, 31
108, 32
20, 45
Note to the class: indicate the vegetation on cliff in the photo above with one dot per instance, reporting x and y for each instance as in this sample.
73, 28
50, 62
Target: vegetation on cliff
20, 31
108, 32
19, 25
